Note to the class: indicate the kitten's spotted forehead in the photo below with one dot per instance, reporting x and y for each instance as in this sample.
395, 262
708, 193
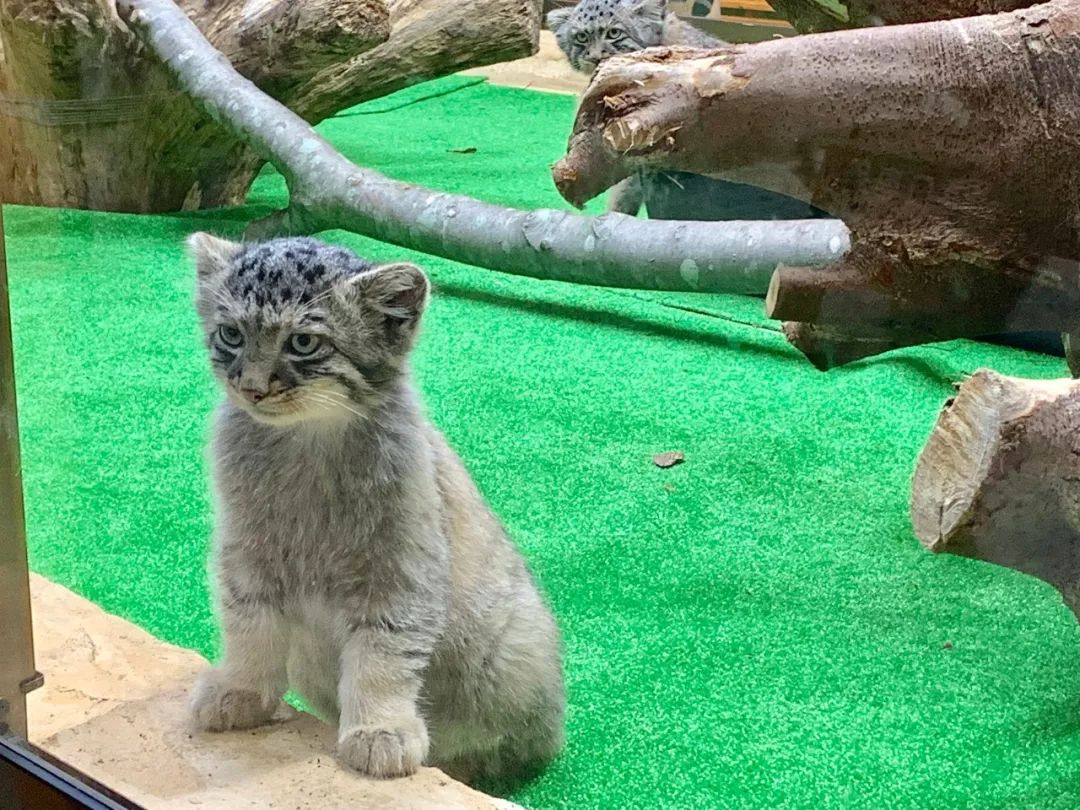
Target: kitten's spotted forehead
289, 271
598, 11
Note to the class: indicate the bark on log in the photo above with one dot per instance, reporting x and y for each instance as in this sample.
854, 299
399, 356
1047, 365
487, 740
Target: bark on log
999, 479
949, 148
814, 16
431, 38
327, 191
281, 45
828, 347
86, 120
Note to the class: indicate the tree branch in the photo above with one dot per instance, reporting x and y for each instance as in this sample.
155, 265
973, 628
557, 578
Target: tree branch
951, 299
327, 191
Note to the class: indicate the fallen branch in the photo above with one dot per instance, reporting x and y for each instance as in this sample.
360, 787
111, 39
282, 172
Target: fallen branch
961, 200
999, 479
327, 191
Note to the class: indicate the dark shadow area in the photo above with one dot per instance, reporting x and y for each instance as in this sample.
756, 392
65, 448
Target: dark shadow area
629, 323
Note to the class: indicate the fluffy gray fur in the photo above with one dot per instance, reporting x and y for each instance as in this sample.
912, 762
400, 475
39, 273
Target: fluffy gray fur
594, 30
354, 559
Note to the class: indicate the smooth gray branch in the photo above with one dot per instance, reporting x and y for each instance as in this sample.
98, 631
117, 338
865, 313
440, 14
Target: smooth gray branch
327, 191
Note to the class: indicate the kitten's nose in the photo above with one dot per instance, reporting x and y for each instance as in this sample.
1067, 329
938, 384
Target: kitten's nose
255, 390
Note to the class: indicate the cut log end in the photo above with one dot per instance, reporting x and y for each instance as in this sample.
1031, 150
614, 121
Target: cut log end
565, 177
999, 478
786, 294
954, 462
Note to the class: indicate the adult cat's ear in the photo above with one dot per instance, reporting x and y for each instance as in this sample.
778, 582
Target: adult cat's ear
557, 17
651, 9
210, 254
399, 291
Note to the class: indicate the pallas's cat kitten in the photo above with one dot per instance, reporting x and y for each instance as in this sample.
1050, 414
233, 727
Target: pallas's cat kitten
354, 559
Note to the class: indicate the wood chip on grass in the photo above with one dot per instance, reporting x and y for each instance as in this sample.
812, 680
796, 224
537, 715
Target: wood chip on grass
669, 459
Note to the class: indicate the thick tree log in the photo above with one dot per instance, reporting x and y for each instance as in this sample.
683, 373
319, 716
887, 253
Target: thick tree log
949, 148
999, 479
813, 16
86, 120
281, 45
327, 191
89, 122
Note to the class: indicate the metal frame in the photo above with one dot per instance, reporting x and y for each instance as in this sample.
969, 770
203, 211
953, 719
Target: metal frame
31, 779
17, 673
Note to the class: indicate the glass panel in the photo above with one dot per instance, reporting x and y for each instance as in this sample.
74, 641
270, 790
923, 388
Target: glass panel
731, 313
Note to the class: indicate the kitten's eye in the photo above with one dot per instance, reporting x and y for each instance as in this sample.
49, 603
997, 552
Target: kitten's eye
615, 33
581, 38
231, 336
304, 344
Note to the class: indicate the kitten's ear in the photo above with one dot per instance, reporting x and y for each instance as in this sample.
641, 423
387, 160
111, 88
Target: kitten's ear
399, 291
557, 17
210, 254
651, 9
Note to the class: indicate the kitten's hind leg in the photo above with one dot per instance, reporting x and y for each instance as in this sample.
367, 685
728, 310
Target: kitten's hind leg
314, 673
514, 761
245, 688
498, 720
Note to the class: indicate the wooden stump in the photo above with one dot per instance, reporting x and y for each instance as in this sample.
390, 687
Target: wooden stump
999, 478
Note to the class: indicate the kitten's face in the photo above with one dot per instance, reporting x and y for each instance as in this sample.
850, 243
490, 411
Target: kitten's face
593, 30
299, 330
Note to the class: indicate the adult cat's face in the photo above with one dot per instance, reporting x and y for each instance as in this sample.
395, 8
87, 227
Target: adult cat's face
299, 330
593, 30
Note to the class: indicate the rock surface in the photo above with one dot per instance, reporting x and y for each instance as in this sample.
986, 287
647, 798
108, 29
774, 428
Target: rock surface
114, 706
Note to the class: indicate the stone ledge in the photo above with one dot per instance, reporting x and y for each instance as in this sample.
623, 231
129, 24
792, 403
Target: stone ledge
114, 706
547, 69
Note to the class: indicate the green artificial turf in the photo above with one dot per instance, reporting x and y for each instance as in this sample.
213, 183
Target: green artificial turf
756, 627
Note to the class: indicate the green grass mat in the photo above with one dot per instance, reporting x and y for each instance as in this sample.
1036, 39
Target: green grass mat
754, 628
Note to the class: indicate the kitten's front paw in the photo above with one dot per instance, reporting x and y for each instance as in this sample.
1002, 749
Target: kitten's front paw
385, 752
215, 706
